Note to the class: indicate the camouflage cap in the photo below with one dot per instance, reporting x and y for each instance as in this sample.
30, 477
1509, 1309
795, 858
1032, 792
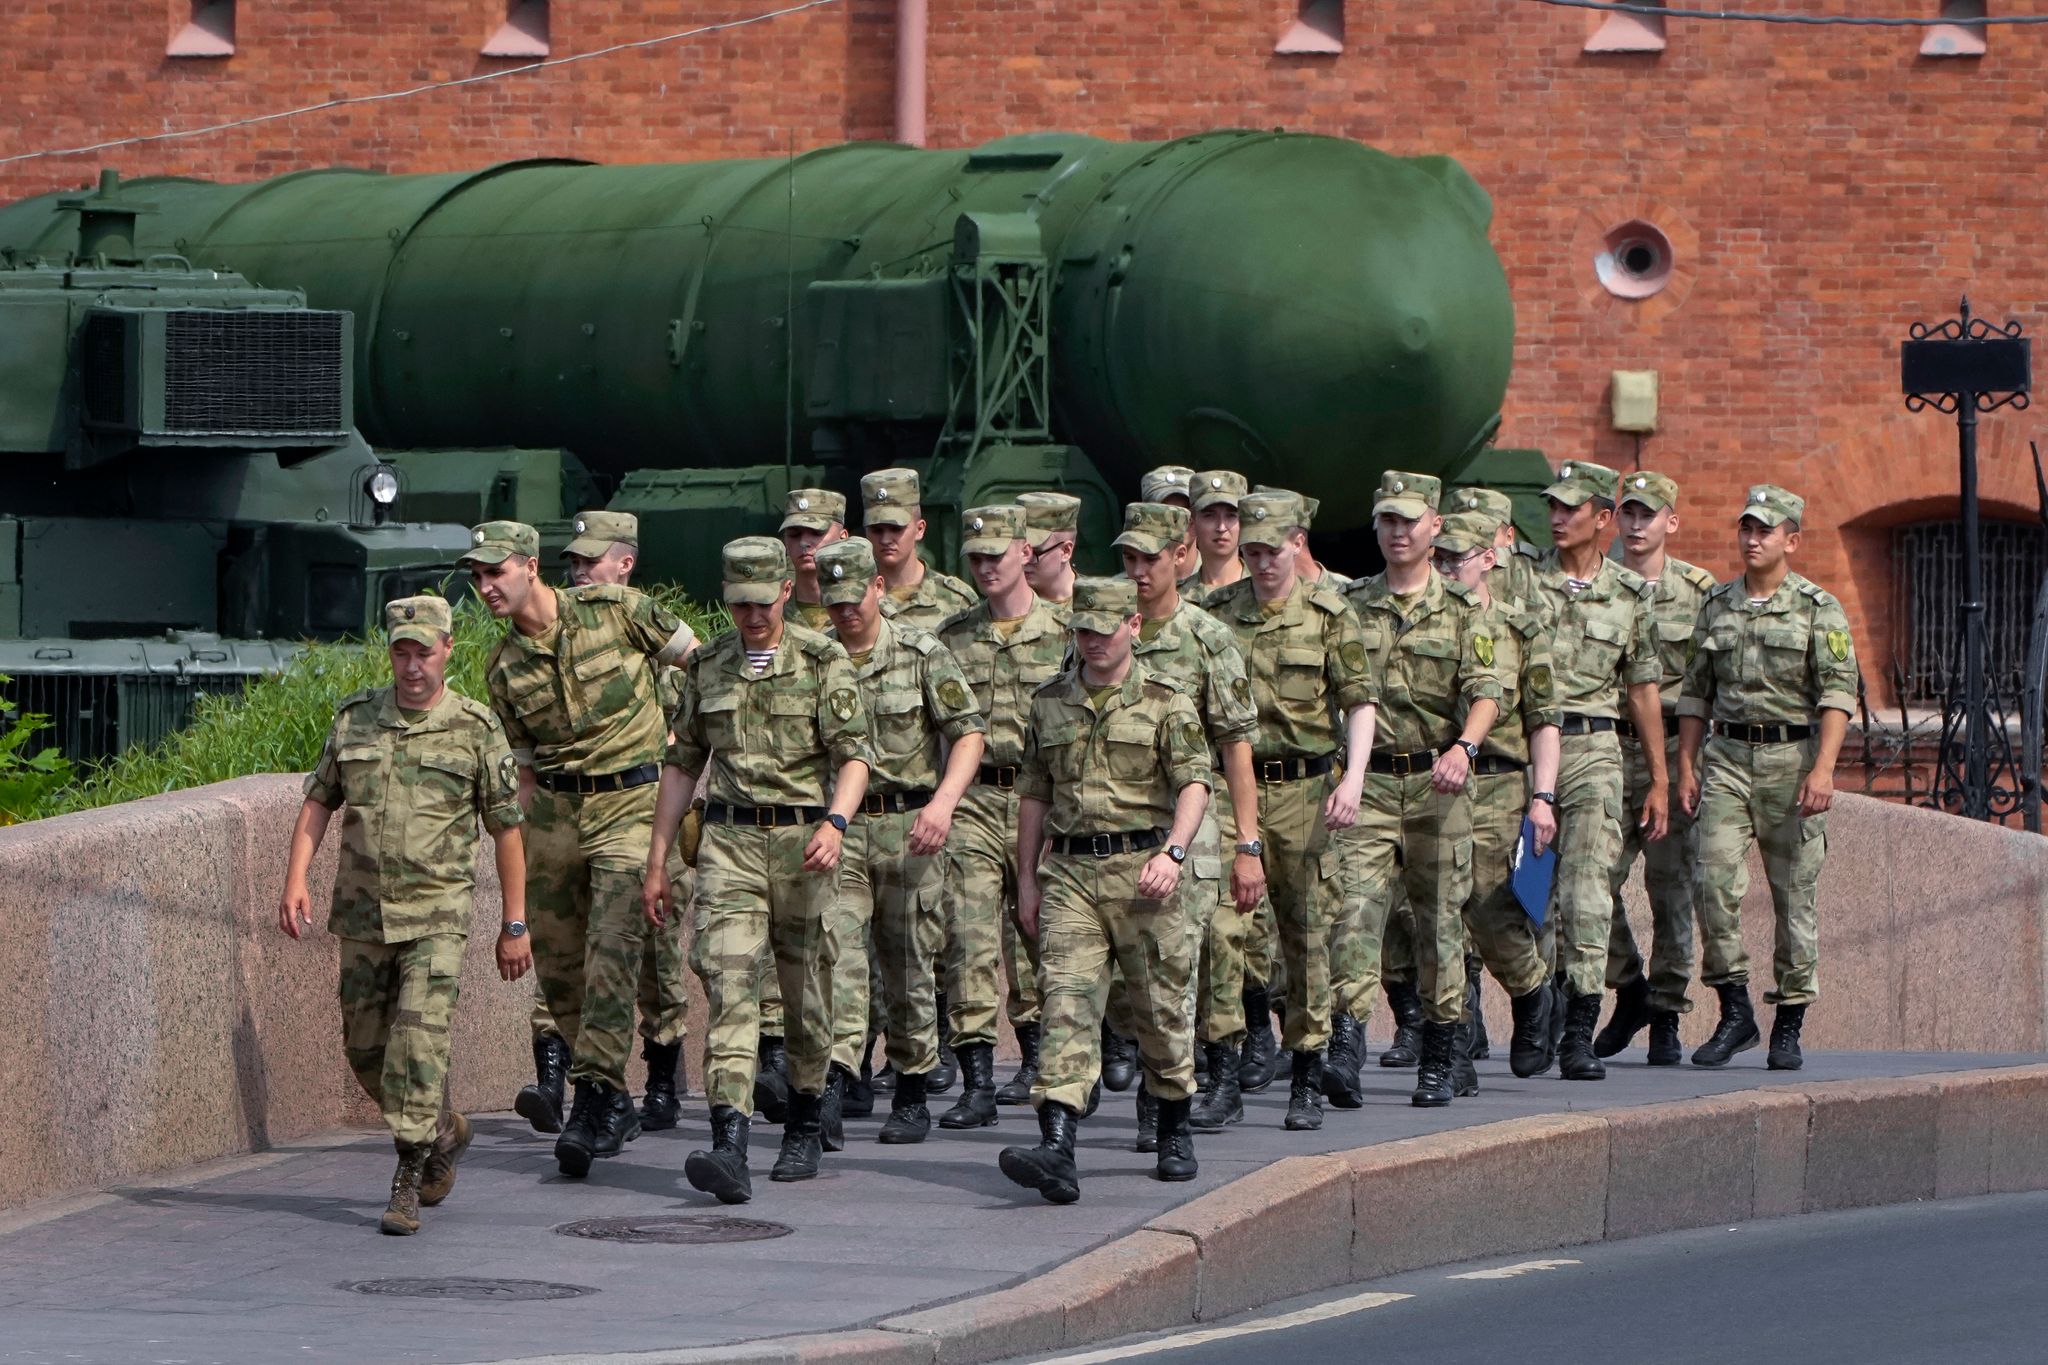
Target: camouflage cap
1103, 604
845, 568
424, 619
1654, 491
1305, 509
1407, 495
889, 497
1167, 481
1578, 480
1772, 505
597, 532
989, 530
1465, 532
1047, 513
1490, 501
1266, 518
755, 568
812, 509
1151, 527
1217, 485
494, 542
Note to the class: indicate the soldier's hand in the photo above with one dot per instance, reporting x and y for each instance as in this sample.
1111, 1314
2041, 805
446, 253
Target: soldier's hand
1655, 820
1451, 771
1816, 793
929, 831
1247, 882
1160, 875
1027, 909
821, 854
654, 896
295, 910
515, 956
1543, 819
1341, 810
1689, 790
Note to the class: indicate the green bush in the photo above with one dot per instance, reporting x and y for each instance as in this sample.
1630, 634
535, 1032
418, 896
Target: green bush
28, 779
279, 722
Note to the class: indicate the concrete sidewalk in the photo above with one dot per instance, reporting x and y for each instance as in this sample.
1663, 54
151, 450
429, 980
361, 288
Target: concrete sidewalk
267, 1258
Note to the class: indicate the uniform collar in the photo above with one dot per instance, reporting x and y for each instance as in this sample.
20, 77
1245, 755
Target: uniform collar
1079, 693
737, 664
884, 649
389, 717
1778, 603
1169, 631
1376, 592
543, 646
1606, 580
1250, 611
1037, 622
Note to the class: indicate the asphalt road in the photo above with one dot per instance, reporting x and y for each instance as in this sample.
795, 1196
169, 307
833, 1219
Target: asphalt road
1956, 1282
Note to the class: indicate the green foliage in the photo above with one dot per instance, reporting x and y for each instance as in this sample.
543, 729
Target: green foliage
279, 723
27, 779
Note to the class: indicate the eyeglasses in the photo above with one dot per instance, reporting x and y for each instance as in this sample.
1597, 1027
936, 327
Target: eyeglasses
1448, 563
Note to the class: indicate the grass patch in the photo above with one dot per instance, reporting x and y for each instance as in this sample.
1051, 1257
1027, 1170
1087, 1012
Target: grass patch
279, 722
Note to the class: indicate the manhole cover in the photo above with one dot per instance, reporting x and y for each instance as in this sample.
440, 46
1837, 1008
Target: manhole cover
468, 1287
692, 1229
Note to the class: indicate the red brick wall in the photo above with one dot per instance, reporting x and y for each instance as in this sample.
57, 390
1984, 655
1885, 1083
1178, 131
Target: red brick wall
1824, 187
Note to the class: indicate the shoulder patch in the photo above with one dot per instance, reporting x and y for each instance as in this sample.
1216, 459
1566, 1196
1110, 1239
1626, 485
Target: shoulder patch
953, 695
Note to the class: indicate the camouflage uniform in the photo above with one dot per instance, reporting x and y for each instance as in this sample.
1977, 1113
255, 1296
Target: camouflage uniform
1602, 643
411, 793
936, 599
813, 509
1776, 664
1514, 572
1004, 662
1307, 664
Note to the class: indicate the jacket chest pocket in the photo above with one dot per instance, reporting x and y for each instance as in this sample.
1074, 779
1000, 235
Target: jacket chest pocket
533, 700
1780, 654
1128, 749
362, 774
1432, 666
1674, 645
1723, 648
979, 671
603, 673
1600, 652
1298, 675
1062, 746
792, 722
446, 782
719, 713
899, 722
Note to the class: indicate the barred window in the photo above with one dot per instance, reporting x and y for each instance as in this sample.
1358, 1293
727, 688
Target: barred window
1927, 596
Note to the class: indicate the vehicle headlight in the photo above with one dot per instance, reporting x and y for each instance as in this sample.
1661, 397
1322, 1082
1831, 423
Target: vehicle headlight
382, 485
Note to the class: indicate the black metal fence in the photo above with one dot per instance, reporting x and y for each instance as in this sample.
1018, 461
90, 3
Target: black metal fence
1927, 583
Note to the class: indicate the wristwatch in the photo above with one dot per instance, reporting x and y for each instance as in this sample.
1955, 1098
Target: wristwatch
1177, 853
1551, 797
837, 821
1255, 847
514, 928
1471, 749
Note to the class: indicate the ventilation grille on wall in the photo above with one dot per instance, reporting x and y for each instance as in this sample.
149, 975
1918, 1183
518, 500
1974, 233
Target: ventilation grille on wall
253, 372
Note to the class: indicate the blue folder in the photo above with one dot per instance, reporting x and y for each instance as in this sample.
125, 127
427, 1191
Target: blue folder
1533, 874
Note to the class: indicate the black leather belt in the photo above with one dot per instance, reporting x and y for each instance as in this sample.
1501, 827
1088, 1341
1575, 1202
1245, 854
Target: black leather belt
1003, 775
586, 784
1490, 765
894, 803
1292, 769
1576, 724
1107, 845
1762, 734
763, 817
1626, 728
1403, 765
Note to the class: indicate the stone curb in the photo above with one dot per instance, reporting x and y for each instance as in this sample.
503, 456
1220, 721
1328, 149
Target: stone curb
1532, 1184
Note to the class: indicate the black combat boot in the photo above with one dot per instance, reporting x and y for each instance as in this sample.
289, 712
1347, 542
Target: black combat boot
908, 1119
1737, 1030
940, 1078
1560, 997
1342, 1061
1482, 1046
1464, 1075
1575, 1059
1664, 1048
1201, 1061
1305, 1096
577, 1146
1119, 1061
1406, 1005
1148, 1121
1530, 1052
661, 1106
832, 1109
1222, 1099
540, 1104
1094, 1099
1433, 1072
771, 1079
1785, 1025
801, 1148
1049, 1167
722, 1171
860, 1091
1017, 1090
1176, 1145
618, 1123
1631, 1016
1260, 1056
976, 1107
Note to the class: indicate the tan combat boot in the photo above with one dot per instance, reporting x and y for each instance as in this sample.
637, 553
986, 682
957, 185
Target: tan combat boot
402, 1216
449, 1145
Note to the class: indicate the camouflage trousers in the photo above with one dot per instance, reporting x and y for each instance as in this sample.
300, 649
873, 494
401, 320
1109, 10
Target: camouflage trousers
1412, 836
584, 859
1589, 819
1749, 793
397, 1000
754, 904
1091, 918
664, 1003
1667, 877
892, 900
1291, 828
1397, 944
1497, 925
1200, 898
1220, 974
981, 907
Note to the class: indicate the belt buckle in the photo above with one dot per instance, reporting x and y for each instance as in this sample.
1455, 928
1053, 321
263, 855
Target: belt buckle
1273, 770
1099, 845
764, 817
1754, 733
1403, 764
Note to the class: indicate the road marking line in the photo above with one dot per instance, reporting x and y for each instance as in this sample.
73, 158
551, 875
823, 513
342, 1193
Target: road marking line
1510, 1272
1322, 1312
